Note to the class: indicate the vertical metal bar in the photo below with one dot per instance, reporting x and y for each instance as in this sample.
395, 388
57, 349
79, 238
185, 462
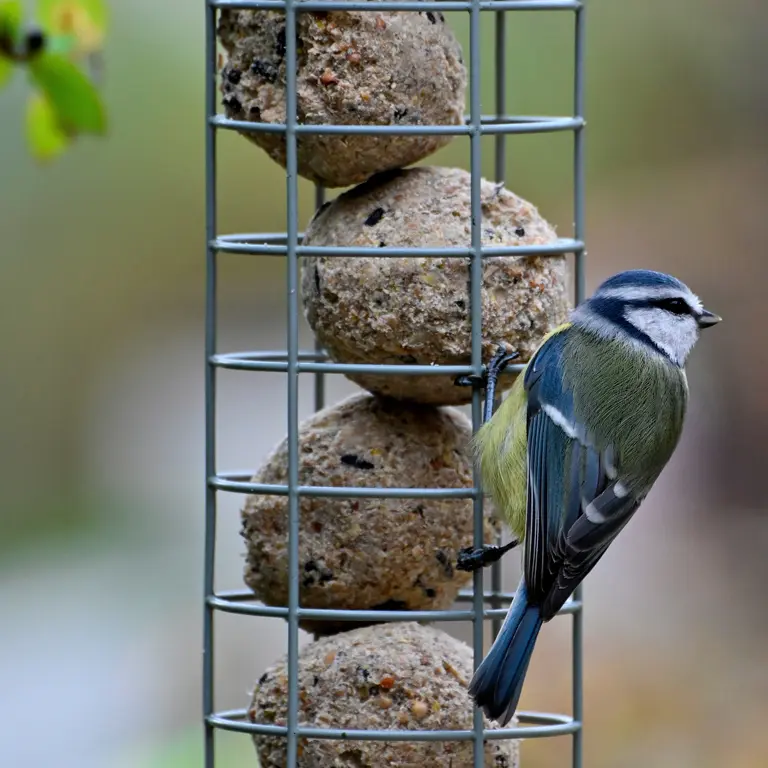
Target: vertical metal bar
578, 147
579, 257
293, 380
476, 319
210, 381
501, 92
319, 195
319, 377
500, 169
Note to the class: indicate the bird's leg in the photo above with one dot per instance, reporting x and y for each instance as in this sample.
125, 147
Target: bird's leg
496, 367
471, 558
488, 378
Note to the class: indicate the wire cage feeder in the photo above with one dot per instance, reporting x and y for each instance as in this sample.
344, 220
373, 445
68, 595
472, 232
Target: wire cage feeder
479, 605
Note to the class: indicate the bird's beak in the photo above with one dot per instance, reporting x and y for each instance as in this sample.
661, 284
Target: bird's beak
707, 319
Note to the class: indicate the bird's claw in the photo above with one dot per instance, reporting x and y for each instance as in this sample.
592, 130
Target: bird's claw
496, 365
474, 558
470, 559
501, 360
471, 380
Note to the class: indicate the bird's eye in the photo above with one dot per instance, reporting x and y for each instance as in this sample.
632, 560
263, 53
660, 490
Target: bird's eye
675, 306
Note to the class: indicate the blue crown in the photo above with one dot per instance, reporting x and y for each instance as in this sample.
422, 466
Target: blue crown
642, 278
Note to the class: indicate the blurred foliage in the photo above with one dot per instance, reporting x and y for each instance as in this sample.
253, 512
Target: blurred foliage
184, 751
66, 103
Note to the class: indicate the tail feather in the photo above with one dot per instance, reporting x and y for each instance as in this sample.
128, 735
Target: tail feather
498, 681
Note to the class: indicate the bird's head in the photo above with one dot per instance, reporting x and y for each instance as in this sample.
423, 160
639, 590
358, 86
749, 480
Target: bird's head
646, 308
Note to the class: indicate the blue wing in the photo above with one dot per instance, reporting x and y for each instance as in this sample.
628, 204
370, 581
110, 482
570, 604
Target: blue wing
576, 504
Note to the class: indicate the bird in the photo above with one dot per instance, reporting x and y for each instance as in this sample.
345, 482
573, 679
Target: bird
575, 447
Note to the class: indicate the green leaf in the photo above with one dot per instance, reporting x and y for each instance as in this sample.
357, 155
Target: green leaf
45, 135
74, 98
62, 44
66, 16
11, 16
6, 70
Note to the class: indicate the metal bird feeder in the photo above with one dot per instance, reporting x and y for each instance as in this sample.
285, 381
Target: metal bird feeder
479, 605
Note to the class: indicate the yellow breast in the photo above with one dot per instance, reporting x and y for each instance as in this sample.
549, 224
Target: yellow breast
501, 451
500, 448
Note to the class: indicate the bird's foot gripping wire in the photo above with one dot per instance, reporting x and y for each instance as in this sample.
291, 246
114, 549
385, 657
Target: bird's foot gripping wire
473, 559
491, 372
488, 378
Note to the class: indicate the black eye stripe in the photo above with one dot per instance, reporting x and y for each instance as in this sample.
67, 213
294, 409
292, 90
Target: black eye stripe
675, 306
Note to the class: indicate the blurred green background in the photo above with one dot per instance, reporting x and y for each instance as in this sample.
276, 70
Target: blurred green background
101, 334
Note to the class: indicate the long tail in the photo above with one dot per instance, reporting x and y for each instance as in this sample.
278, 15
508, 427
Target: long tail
498, 682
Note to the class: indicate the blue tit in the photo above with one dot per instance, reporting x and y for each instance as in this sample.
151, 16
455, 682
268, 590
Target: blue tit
574, 449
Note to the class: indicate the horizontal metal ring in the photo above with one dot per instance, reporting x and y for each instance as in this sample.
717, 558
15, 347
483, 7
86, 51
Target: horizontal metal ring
243, 602
238, 482
257, 361
572, 606
272, 245
490, 127
545, 725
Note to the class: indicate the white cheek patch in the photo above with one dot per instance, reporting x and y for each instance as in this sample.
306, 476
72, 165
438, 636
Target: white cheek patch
675, 334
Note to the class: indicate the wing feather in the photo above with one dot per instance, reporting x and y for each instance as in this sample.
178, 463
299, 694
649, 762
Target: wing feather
576, 504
